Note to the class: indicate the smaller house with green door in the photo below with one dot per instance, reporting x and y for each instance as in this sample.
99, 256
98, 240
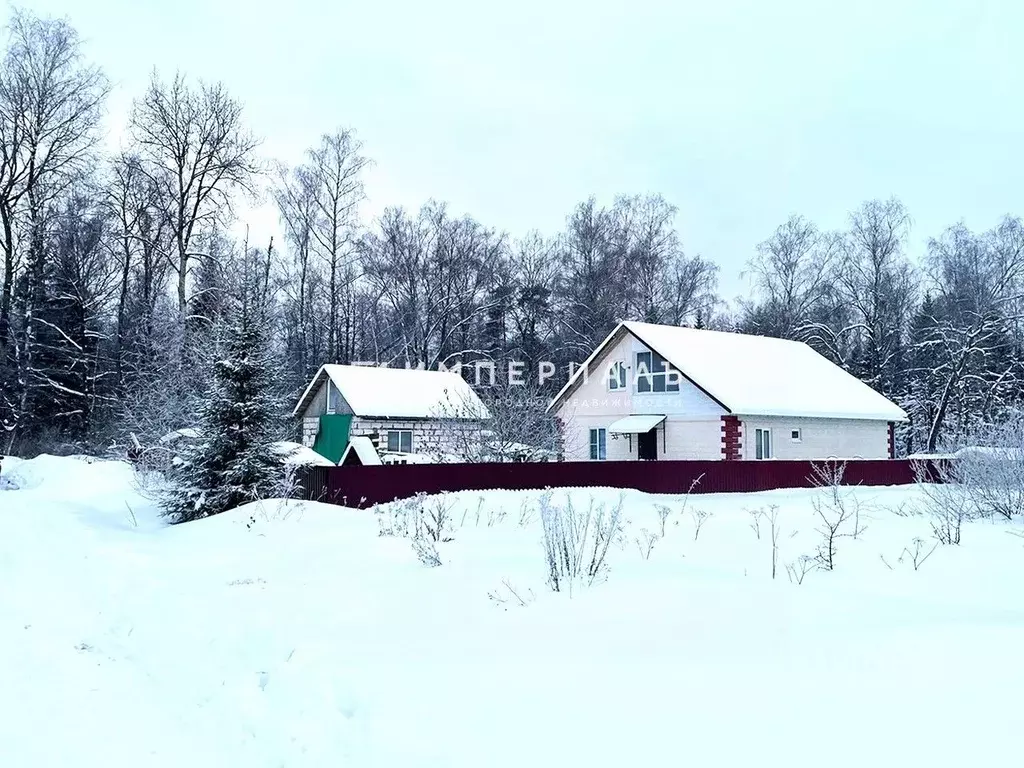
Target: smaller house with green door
406, 414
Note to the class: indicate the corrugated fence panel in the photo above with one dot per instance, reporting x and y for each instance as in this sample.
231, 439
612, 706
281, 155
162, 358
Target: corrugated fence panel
364, 486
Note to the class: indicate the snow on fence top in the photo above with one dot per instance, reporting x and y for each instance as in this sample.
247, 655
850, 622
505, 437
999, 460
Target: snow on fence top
396, 393
757, 375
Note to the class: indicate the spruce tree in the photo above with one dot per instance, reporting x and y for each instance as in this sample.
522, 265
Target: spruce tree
232, 463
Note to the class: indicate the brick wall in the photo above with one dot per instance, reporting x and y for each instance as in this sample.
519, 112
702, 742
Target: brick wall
732, 438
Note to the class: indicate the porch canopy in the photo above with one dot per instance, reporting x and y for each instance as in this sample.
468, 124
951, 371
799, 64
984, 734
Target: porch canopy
635, 424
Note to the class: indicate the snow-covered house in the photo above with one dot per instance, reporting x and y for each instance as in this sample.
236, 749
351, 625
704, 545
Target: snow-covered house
662, 392
404, 414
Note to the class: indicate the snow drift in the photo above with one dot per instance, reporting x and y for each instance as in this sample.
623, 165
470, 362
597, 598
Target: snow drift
292, 633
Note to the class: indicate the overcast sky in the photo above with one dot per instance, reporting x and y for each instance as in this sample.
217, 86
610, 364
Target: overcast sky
739, 113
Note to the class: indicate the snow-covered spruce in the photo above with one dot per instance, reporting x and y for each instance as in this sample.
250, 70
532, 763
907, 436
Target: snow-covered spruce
235, 463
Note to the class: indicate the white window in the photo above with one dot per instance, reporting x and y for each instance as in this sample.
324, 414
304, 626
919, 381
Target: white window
796, 435
763, 443
654, 374
598, 445
400, 441
617, 376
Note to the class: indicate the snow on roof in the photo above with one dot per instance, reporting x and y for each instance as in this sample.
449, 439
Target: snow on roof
400, 392
363, 448
297, 454
635, 424
758, 375
418, 458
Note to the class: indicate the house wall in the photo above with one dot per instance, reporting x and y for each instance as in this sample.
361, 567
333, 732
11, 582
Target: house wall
310, 428
678, 438
691, 430
434, 437
318, 404
429, 436
820, 438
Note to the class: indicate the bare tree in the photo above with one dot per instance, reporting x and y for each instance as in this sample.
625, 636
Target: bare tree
793, 272
295, 193
534, 275
519, 427
195, 148
50, 102
139, 226
878, 284
978, 280
334, 174
432, 273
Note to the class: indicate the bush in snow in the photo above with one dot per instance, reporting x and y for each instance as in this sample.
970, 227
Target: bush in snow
838, 511
664, 513
576, 542
645, 542
426, 549
700, 517
424, 522
508, 594
417, 516
827, 476
435, 519
948, 501
916, 553
398, 518
232, 464
993, 469
799, 568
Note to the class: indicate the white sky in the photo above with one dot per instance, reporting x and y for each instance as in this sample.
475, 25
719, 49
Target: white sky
740, 113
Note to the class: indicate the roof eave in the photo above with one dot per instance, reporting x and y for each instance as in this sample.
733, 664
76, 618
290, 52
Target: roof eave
834, 416
556, 401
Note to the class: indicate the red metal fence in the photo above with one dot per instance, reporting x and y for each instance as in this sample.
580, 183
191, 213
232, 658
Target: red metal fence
360, 486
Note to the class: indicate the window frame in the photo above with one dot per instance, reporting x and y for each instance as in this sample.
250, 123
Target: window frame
616, 381
330, 403
796, 435
598, 444
763, 444
400, 433
659, 372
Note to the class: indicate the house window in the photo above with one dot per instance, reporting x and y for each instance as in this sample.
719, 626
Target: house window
400, 441
653, 374
796, 435
598, 445
617, 376
763, 443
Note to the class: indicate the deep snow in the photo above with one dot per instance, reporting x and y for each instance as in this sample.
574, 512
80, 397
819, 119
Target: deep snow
291, 634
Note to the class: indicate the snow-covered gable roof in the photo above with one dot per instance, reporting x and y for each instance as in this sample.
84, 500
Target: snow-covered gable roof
364, 452
756, 375
397, 393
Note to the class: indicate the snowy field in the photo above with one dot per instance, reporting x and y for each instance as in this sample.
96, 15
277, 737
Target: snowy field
291, 634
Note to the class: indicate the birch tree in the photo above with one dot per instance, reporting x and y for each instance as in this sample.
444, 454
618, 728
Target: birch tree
793, 272
50, 104
877, 283
335, 171
195, 147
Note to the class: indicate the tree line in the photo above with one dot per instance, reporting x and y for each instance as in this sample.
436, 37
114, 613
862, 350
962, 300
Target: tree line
121, 275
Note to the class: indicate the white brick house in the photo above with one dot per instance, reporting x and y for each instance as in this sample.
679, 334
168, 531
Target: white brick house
407, 414
662, 392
